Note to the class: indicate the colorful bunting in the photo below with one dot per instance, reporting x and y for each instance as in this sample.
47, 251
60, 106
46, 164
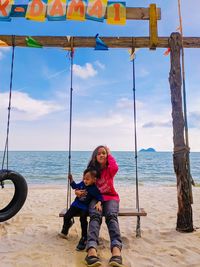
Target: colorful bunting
116, 13
76, 9
56, 10
100, 45
36, 10
96, 10
5, 10
33, 43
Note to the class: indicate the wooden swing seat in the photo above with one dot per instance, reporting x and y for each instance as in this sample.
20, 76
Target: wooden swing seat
122, 212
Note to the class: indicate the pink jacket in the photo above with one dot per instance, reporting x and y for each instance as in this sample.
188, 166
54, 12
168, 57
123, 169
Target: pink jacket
106, 183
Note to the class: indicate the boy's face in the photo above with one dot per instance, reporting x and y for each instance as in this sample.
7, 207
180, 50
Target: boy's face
88, 179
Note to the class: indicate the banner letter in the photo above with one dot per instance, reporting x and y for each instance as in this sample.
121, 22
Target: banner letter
96, 10
116, 13
76, 9
36, 10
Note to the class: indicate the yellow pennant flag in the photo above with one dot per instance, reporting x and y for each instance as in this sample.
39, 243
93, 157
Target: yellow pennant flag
132, 52
3, 44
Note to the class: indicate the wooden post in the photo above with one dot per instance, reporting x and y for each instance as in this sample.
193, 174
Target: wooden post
153, 28
184, 215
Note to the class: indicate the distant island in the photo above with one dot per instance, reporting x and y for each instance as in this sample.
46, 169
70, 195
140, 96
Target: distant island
150, 149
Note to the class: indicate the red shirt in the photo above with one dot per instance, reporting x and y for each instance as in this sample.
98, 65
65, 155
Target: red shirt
105, 183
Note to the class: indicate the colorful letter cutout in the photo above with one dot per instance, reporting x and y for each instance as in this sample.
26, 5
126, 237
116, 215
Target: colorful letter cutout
76, 9
116, 13
56, 10
96, 10
36, 10
5, 9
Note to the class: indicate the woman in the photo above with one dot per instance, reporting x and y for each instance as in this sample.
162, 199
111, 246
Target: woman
106, 166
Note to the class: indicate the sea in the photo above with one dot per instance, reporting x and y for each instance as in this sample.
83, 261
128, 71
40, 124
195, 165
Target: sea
51, 167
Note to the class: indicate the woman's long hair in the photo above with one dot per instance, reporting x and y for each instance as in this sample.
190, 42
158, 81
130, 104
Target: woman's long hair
93, 163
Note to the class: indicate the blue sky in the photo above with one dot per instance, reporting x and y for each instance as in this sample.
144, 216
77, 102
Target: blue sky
102, 107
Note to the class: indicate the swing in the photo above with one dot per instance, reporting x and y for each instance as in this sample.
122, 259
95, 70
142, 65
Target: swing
122, 211
6, 175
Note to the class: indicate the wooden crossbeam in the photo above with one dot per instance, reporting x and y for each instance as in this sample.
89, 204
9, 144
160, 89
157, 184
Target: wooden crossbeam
89, 42
122, 212
132, 13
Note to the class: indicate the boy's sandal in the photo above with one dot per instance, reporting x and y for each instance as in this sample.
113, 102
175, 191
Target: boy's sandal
92, 261
116, 261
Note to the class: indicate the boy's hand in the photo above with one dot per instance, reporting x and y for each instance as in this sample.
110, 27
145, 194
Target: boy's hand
98, 206
70, 177
80, 193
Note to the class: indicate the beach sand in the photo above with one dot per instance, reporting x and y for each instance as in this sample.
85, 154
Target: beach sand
31, 237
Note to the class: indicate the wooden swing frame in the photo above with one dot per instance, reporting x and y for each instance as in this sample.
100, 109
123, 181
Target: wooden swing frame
176, 43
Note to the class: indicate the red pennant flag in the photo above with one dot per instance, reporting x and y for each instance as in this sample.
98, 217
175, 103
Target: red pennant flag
166, 53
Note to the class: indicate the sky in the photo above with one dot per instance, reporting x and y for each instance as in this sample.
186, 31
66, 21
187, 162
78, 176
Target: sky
102, 87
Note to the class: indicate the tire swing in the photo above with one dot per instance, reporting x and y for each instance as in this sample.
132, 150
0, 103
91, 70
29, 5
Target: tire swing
12, 177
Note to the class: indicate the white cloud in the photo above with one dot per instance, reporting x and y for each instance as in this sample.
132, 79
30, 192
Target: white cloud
3, 51
125, 103
26, 108
84, 72
142, 72
95, 122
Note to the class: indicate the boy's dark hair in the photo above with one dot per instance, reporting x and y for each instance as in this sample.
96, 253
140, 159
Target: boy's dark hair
92, 171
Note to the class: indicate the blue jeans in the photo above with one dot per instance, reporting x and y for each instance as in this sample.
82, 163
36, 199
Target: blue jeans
110, 211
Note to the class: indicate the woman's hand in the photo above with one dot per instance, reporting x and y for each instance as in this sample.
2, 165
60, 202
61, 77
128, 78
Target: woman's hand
107, 149
80, 193
98, 206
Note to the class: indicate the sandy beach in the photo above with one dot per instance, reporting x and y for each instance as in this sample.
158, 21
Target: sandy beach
31, 237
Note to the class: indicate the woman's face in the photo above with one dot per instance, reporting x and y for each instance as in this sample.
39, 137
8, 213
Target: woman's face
102, 156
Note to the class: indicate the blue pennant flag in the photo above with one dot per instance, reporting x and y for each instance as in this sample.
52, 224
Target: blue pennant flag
100, 45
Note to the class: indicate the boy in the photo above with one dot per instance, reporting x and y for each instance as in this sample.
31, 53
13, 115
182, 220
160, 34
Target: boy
80, 205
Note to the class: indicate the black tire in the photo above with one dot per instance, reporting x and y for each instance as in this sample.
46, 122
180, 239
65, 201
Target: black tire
19, 197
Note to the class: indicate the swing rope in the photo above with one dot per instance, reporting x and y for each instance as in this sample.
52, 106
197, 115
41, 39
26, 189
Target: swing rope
190, 179
138, 231
71, 54
5, 153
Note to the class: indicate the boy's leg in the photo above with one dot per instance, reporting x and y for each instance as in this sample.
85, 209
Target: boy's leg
67, 220
84, 225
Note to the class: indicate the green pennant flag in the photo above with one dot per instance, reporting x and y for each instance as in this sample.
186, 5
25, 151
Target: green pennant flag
33, 43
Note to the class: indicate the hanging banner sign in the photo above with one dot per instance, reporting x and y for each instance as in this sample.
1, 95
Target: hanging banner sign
56, 10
